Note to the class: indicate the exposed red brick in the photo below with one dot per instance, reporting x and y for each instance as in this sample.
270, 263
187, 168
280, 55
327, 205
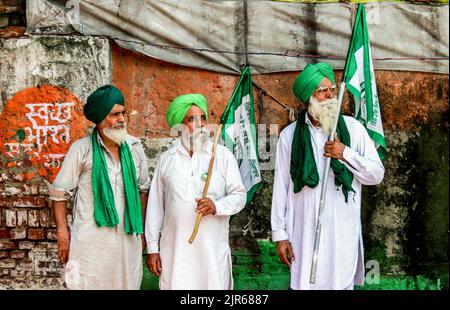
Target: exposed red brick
36, 234
4, 254
33, 218
5, 274
45, 217
7, 263
43, 264
2, 217
4, 202
4, 233
29, 202
26, 245
51, 234
18, 233
12, 32
17, 254
22, 218
17, 272
33, 189
46, 246
7, 245
11, 219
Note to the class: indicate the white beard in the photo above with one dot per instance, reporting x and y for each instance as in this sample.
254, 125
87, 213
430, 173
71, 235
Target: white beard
196, 141
118, 135
325, 112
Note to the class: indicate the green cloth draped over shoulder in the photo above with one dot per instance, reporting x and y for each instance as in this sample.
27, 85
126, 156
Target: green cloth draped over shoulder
105, 213
180, 106
99, 104
303, 168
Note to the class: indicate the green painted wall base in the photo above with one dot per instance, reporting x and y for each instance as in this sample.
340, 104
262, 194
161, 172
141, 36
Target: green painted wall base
403, 283
264, 271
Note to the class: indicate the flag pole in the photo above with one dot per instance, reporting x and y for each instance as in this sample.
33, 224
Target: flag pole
359, 18
323, 191
208, 178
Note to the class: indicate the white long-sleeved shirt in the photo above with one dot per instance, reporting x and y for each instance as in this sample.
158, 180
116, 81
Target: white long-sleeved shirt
178, 180
294, 215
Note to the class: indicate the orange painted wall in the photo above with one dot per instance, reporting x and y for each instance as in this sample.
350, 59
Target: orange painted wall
407, 99
26, 147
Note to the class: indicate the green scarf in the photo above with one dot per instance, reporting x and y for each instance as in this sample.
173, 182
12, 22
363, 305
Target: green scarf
303, 166
105, 213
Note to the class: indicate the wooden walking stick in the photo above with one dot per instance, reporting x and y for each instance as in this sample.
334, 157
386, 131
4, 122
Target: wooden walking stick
208, 178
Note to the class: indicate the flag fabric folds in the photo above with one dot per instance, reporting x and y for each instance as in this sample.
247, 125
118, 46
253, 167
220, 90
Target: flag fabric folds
239, 132
360, 81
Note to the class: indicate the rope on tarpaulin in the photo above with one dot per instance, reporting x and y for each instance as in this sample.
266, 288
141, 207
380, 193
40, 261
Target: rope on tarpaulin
285, 54
292, 111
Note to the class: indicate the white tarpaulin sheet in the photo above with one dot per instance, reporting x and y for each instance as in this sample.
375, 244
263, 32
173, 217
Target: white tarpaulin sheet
275, 36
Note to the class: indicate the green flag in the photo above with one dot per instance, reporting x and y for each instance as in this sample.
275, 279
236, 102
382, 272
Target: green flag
239, 132
360, 78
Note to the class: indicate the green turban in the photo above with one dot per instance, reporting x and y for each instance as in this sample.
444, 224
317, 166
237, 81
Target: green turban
101, 102
179, 107
306, 82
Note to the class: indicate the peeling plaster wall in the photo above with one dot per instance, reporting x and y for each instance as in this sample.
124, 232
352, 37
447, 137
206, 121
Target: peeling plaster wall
44, 81
80, 64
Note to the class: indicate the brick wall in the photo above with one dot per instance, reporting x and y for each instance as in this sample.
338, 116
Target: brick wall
12, 18
28, 243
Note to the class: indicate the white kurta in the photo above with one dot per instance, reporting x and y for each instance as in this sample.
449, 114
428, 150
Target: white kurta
206, 263
294, 215
100, 257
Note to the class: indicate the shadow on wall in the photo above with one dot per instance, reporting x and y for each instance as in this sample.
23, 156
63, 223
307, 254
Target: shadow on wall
428, 246
405, 219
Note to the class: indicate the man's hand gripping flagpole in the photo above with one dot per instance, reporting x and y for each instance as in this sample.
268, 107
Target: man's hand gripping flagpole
323, 191
208, 178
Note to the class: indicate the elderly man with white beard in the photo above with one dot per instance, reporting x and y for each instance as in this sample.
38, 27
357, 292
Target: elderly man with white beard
175, 199
106, 173
301, 155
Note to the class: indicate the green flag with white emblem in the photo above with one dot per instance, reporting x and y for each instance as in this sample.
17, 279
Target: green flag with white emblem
360, 78
239, 132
